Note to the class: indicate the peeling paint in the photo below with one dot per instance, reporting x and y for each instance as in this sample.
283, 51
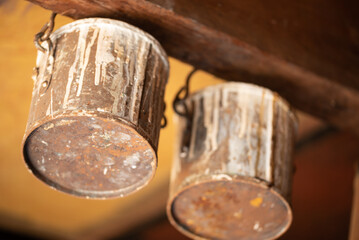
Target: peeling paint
93, 115
235, 180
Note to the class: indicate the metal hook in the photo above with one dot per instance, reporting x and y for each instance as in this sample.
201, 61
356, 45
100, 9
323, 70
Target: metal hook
184, 112
181, 100
44, 34
164, 124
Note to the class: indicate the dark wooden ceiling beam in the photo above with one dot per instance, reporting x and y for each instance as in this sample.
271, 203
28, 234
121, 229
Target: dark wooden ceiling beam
307, 51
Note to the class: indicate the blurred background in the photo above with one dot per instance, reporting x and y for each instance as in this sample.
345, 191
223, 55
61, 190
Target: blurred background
324, 159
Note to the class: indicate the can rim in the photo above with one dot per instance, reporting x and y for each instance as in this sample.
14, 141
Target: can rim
250, 89
83, 193
225, 177
101, 22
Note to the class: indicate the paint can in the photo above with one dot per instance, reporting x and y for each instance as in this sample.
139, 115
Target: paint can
232, 171
96, 109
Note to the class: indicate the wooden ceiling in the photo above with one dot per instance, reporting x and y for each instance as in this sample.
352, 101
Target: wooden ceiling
307, 50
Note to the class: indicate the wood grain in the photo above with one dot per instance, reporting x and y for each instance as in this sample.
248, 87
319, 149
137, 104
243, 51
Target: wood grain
307, 51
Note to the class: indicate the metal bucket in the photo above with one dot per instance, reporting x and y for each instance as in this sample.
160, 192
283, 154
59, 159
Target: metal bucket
96, 109
232, 171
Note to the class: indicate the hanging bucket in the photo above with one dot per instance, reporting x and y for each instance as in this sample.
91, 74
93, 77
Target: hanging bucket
232, 171
96, 109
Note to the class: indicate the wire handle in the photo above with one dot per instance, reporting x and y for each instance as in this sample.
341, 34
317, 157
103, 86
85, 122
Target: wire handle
181, 101
164, 119
180, 107
44, 35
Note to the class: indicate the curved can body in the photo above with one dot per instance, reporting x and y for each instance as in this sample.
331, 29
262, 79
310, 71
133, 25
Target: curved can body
232, 172
96, 109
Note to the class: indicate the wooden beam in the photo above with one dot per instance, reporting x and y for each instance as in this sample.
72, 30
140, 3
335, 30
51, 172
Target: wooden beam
307, 51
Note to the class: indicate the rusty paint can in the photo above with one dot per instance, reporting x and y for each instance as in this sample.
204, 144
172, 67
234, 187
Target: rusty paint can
96, 109
232, 170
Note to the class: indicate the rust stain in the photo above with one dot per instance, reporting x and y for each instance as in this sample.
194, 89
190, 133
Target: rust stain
225, 214
91, 139
216, 191
237, 214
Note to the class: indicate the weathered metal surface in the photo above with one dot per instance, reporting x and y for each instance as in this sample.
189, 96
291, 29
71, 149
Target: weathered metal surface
271, 44
232, 172
96, 109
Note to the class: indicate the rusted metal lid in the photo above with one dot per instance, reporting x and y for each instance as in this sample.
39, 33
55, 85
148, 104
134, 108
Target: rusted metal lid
91, 157
221, 209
